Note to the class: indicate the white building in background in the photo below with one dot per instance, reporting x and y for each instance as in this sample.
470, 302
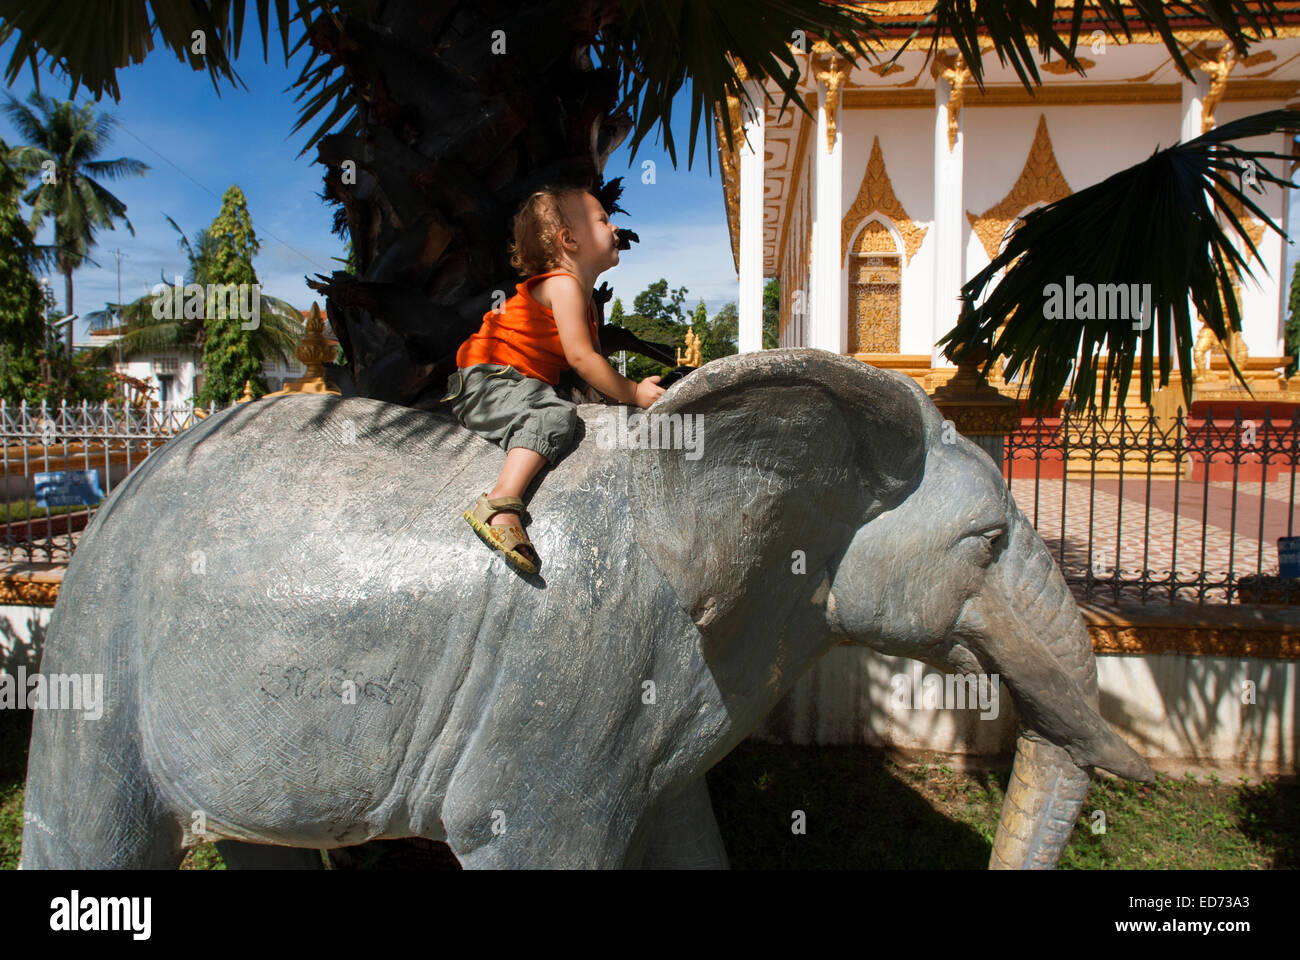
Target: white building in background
873, 214
176, 376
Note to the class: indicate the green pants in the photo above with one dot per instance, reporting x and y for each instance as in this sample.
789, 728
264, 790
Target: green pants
502, 405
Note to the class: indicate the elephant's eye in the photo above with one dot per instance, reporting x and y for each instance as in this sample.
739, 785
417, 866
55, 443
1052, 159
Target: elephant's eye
988, 540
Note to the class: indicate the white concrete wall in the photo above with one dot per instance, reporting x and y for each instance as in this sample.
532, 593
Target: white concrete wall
1264, 298
1173, 709
141, 367
22, 634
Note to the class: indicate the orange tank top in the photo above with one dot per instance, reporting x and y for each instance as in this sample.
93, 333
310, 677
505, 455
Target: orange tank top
523, 335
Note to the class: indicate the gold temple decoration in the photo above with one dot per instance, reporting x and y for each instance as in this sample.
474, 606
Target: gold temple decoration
1218, 69
973, 405
832, 70
875, 292
728, 161
248, 392
1207, 341
954, 70
1041, 181
314, 351
1060, 67
876, 195
1254, 228
1218, 65
691, 358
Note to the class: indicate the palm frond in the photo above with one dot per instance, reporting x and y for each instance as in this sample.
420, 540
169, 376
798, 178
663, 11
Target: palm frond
658, 44
115, 169
90, 42
23, 118
1159, 225
1012, 25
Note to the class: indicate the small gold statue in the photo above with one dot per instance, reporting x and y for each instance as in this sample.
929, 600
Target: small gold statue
691, 358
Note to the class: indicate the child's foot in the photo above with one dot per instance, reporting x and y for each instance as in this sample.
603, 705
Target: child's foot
496, 521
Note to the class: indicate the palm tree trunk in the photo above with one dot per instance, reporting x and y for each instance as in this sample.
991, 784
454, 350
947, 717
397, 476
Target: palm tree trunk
458, 125
464, 109
67, 292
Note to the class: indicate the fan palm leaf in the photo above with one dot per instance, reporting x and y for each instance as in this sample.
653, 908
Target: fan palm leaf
1163, 222
1015, 27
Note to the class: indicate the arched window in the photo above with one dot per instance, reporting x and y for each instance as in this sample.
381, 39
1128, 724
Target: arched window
875, 288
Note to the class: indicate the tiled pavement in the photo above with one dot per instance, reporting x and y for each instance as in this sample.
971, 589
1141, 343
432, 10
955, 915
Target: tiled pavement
1208, 536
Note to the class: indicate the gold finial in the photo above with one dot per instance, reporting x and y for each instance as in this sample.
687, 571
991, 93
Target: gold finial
691, 358
248, 392
314, 351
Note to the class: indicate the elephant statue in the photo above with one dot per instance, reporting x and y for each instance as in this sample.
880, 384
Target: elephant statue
306, 647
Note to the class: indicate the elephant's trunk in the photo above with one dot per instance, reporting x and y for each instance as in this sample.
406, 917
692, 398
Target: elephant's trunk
1035, 637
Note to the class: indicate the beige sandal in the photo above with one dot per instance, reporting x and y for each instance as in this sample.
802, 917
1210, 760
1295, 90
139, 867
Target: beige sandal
511, 540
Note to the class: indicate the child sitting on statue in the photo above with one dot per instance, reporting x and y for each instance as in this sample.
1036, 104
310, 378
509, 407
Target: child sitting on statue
504, 388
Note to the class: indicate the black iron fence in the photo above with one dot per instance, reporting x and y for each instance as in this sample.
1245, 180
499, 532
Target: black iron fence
1184, 508
57, 464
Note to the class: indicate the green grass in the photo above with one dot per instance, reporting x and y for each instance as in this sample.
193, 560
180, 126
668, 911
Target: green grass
20, 510
865, 809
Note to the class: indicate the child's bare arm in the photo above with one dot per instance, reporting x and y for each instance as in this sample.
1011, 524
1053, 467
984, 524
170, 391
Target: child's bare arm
569, 308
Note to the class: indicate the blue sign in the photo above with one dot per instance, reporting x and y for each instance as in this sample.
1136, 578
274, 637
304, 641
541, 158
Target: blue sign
1288, 556
68, 488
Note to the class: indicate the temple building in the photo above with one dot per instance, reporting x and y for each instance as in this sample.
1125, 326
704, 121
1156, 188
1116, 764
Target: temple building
908, 178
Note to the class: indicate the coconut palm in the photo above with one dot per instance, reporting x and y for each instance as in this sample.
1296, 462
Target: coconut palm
63, 141
439, 118
276, 336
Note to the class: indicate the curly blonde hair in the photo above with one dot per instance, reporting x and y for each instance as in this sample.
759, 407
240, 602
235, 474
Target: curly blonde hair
536, 246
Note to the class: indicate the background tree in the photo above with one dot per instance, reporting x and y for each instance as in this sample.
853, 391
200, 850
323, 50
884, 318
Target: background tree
62, 144
656, 317
228, 357
771, 314
22, 299
275, 337
725, 329
1292, 331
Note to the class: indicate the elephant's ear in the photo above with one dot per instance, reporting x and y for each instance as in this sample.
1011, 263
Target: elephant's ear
798, 448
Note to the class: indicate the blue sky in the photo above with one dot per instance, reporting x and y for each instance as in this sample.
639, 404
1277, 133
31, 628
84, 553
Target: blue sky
197, 144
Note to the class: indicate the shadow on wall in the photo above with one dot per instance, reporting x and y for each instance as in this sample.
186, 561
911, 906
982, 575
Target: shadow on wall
22, 647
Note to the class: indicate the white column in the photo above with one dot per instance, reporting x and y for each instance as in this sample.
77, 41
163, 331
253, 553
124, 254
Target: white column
752, 156
826, 329
949, 255
1193, 109
1279, 270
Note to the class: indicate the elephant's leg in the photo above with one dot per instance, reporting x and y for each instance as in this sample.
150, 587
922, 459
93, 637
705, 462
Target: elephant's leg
685, 834
239, 855
90, 804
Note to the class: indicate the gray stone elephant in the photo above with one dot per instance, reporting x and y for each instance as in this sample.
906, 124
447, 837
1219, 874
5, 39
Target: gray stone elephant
305, 646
